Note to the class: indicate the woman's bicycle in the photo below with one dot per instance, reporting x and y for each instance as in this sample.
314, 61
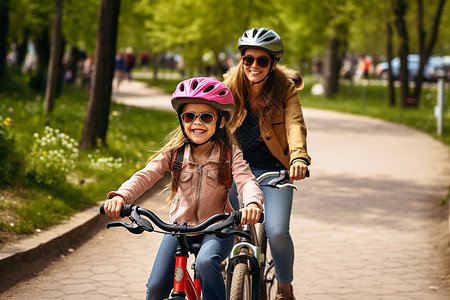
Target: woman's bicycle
250, 267
222, 225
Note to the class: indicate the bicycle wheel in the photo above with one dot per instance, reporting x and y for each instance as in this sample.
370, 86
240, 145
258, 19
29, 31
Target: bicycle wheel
261, 237
270, 280
262, 243
240, 283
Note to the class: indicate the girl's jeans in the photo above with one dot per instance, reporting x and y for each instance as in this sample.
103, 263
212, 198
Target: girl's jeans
277, 211
213, 252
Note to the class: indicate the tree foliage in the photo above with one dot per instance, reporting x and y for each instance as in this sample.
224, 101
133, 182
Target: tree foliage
196, 29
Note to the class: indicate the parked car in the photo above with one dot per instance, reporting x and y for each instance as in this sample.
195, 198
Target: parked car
445, 70
430, 72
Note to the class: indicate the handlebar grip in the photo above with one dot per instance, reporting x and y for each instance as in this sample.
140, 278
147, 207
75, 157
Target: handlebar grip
238, 218
307, 173
124, 212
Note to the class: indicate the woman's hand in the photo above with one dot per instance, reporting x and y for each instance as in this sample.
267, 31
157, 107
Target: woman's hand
297, 171
250, 214
113, 206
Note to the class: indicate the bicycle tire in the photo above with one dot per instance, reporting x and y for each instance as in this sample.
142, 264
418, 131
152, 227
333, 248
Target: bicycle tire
240, 282
260, 232
270, 280
261, 237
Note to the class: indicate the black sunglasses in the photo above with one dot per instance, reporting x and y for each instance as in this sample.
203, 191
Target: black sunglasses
189, 117
263, 62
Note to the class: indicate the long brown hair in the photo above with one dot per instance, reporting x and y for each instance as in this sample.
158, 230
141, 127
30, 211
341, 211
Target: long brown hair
176, 139
269, 101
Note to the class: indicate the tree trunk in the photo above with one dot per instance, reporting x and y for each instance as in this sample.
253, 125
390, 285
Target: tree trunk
399, 12
425, 51
391, 90
331, 67
4, 24
96, 121
156, 61
22, 49
42, 46
55, 55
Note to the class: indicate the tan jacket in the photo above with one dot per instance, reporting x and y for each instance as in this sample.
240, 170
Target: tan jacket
287, 137
199, 194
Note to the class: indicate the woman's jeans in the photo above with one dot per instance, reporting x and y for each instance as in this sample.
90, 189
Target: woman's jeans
277, 215
213, 252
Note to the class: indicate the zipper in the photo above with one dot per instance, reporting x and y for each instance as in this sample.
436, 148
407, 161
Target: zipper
197, 200
199, 188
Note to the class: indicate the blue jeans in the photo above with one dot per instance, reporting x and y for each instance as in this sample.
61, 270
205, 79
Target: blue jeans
213, 252
277, 211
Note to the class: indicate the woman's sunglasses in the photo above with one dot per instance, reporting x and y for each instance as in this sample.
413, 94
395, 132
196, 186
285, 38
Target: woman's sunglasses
189, 117
263, 62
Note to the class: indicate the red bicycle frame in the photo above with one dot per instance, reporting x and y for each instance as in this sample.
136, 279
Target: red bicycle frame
182, 282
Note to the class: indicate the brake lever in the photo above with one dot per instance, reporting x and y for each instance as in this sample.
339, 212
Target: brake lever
141, 222
227, 232
285, 185
219, 227
282, 181
131, 227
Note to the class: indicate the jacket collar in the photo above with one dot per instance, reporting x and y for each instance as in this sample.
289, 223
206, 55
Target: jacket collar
213, 157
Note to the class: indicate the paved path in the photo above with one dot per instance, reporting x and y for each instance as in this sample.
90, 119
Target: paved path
368, 224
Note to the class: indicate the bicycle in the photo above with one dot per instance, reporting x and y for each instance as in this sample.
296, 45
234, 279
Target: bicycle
222, 225
250, 266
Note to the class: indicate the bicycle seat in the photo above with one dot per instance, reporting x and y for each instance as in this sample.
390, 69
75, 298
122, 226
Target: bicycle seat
194, 248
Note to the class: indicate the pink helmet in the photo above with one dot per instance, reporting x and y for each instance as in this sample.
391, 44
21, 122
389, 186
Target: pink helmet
204, 90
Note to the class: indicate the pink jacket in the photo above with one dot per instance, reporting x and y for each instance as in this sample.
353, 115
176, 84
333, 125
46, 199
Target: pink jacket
199, 194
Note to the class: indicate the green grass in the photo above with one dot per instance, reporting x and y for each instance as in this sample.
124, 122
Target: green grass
26, 205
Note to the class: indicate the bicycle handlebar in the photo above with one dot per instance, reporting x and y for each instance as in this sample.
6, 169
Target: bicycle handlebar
225, 228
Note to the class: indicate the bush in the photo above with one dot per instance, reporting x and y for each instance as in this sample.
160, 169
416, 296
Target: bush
10, 158
52, 156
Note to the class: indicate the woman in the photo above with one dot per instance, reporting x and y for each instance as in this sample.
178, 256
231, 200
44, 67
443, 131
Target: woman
270, 128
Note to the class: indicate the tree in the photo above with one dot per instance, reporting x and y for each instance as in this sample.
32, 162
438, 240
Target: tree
399, 8
339, 18
55, 55
96, 121
193, 28
426, 49
391, 90
4, 22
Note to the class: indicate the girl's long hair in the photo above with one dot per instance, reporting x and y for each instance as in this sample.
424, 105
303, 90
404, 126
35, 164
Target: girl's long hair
269, 101
176, 139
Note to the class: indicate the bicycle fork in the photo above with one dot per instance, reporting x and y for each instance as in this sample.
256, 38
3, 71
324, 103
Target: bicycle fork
246, 251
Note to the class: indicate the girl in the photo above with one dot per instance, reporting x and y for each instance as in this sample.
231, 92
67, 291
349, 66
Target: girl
204, 107
271, 130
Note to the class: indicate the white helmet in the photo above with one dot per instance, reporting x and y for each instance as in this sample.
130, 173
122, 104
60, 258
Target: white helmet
262, 38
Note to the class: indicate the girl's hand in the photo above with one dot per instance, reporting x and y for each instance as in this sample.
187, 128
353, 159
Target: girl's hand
297, 171
250, 214
113, 206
